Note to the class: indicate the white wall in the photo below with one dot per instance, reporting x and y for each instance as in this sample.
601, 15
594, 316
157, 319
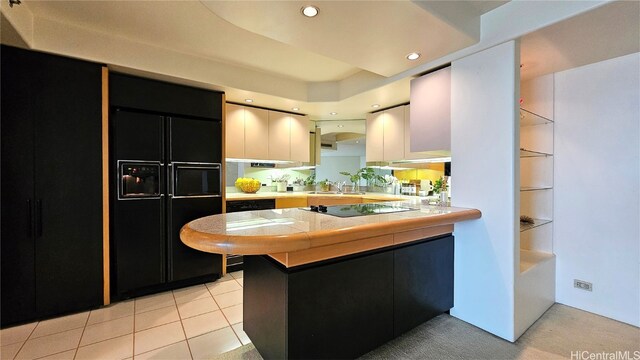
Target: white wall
484, 94
597, 180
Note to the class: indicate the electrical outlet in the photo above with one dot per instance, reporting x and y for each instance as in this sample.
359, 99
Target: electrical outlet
582, 285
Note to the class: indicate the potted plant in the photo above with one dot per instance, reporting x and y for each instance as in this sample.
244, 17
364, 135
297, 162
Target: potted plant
440, 187
310, 182
281, 182
371, 177
325, 185
355, 180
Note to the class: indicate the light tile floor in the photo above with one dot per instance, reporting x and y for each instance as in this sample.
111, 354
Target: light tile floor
197, 322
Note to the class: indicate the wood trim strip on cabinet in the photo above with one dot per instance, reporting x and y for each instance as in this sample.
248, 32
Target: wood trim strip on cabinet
223, 165
223, 162
105, 186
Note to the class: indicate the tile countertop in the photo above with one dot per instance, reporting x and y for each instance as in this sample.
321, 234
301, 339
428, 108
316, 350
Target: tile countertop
292, 230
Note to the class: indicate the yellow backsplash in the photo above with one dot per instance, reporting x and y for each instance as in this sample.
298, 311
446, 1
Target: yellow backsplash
432, 171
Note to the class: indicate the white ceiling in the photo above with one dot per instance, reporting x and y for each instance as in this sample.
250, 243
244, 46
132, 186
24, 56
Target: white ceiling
349, 57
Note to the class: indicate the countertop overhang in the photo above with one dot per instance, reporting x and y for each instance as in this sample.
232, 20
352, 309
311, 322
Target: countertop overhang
293, 230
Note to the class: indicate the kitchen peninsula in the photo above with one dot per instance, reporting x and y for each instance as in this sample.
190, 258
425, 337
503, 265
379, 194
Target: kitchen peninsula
326, 286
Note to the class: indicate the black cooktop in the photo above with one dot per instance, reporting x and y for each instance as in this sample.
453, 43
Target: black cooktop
357, 209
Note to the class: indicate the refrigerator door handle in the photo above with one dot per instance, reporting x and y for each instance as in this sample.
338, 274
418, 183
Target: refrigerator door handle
170, 180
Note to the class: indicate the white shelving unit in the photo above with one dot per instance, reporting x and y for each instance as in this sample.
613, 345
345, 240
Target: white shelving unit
535, 280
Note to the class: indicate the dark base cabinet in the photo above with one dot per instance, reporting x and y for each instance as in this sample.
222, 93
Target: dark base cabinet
344, 308
51, 240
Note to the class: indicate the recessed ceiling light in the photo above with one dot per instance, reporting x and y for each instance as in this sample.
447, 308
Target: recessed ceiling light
310, 11
375, 106
248, 100
413, 56
340, 126
333, 113
295, 109
357, 142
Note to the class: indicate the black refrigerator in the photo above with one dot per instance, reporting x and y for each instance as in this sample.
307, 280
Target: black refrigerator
167, 173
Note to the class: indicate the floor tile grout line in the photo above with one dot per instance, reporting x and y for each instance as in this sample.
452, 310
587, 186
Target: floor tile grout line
133, 338
81, 335
191, 317
101, 341
186, 340
25, 340
229, 322
110, 338
47, 356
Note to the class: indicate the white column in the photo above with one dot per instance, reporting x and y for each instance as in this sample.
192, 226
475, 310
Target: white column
484, 129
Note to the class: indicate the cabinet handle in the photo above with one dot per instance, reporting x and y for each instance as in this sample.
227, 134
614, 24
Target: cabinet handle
29, 219
39, 218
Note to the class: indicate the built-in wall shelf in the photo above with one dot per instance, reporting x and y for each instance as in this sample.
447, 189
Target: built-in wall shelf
536, 223
535, 188
524, 153
527, 118
529, 259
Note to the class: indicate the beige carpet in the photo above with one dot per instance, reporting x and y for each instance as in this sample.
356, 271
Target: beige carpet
555, 335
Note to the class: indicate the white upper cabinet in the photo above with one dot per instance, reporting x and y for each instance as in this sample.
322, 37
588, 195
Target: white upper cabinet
393, 139
385, 135
279, 136
430, 114
300, 139
256, 133
252, 133
375, 137
234, 131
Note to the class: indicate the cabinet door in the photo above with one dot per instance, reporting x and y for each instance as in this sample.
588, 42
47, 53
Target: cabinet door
393, 138
375, 137
195, 140
279, 136
68, 185
300, 138
431, 111
256, 133
137, 136
423, 282
408, 154
184, 262
234, 131
16, 240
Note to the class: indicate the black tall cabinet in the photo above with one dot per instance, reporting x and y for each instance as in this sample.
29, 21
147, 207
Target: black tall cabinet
51, 183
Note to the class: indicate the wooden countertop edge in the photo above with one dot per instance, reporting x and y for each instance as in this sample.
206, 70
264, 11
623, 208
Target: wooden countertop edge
272, 244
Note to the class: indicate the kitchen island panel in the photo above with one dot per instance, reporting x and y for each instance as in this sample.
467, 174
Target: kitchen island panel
423, 286
344, 307
341, 310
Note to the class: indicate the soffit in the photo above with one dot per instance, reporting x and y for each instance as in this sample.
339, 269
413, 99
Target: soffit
605, 33
371, 35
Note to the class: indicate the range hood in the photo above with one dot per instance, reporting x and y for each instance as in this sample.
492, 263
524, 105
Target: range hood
430, 157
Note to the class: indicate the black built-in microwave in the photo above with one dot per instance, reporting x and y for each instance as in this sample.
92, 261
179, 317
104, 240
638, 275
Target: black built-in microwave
196, 179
